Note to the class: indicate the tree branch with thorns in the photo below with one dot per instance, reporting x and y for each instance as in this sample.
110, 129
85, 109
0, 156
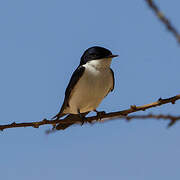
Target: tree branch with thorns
164, 19
124, 114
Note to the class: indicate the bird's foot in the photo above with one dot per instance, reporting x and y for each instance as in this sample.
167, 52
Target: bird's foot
99, 114
83, 120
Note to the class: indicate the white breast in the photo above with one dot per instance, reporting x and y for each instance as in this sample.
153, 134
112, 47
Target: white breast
92, 87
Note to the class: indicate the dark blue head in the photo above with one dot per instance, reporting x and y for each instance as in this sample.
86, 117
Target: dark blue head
96, 52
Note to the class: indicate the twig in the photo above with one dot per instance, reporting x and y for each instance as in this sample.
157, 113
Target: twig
173, 119
109, 116
163, 19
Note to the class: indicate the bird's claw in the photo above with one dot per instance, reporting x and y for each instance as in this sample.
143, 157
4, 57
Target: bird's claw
83, 120
100, 114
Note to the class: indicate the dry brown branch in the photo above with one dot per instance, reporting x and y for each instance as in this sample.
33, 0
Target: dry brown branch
109, 116
163, 19
173, 119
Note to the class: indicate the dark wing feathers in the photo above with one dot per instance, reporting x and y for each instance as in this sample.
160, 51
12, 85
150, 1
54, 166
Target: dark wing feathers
113, 79
74, 79
113, 83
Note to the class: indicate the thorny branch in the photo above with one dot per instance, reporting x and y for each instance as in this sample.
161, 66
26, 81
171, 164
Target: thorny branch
163, 19
107, 116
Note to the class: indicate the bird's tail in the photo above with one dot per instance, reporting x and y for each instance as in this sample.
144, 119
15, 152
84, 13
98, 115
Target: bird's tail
64, 126
70, 117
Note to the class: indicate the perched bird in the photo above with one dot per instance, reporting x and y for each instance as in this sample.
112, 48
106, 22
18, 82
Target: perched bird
90, 83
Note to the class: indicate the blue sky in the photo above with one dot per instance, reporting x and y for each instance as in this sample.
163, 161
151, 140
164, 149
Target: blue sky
41, 44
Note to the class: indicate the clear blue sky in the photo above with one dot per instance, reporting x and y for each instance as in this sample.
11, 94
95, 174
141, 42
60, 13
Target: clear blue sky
40, 46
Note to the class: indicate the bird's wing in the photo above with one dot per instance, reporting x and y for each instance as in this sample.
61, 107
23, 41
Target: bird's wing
113, 79
73, 81
112, 88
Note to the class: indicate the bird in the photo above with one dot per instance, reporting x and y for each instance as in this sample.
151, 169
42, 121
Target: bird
90, 83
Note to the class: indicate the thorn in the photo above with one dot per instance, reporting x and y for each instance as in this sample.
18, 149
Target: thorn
173, 102
133, 107
172, 122
13, 124
36, 126
160, 99
44, 120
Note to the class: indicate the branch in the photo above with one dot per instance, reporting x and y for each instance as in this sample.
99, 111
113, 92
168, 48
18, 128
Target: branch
163, 19
109, 116
173, 119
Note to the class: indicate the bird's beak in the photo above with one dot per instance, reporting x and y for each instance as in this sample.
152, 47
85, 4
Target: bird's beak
113, 56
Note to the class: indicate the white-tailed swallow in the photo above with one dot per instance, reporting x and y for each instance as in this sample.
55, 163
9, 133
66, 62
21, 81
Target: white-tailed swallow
90, 83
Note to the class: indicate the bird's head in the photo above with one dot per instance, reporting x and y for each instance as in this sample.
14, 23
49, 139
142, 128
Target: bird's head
96, 53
